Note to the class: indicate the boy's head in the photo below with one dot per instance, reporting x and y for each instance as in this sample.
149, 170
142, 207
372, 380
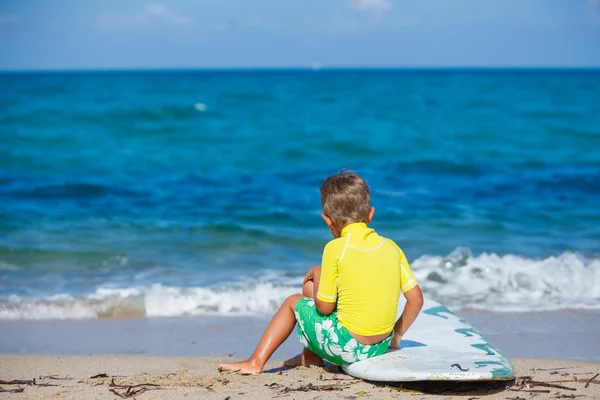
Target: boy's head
345, 199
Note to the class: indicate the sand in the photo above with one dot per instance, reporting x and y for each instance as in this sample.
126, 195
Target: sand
197, 378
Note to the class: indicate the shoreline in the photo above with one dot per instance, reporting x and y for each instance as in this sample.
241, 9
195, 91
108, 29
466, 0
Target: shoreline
530, 335
158, 377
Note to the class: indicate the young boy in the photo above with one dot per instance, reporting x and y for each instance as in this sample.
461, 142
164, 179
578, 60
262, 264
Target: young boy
348, 307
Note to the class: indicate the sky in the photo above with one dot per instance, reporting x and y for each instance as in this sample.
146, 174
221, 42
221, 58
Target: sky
132, 34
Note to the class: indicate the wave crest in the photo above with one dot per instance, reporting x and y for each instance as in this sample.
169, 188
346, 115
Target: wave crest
154, 301
510, 282
460, 280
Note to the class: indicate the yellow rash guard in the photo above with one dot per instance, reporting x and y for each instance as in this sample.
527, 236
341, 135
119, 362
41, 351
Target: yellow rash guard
365, 273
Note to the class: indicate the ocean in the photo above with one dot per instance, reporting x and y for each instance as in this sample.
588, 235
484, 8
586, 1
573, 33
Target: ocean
154, 194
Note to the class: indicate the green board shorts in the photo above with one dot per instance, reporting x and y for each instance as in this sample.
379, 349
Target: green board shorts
327, 338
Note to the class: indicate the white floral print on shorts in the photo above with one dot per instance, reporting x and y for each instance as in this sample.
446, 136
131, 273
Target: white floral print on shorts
327, 338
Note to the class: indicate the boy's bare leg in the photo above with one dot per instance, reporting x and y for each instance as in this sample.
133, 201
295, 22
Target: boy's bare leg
277, 331
305, 359
308, 289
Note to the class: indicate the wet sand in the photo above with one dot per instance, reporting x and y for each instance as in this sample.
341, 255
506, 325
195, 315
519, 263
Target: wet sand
569, 334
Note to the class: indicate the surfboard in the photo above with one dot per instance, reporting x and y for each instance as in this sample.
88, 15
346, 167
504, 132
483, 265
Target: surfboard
438, 346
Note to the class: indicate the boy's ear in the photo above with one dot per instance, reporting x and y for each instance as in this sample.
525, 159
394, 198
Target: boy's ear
371, 212
327, 220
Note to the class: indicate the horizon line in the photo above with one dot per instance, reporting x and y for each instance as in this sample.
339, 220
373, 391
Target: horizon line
296, 68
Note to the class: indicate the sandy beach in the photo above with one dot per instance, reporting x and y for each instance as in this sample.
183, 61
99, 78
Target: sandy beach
180, 356
155, 377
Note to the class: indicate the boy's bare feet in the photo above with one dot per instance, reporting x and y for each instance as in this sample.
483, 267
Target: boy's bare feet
307, 358
277, 331
247, 367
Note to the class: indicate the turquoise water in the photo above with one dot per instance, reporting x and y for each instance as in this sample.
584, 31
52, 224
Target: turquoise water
170, 193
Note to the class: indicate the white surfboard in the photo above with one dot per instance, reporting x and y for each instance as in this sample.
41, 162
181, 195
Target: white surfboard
438, 346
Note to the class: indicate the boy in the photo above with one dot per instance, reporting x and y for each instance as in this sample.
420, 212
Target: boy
348, 307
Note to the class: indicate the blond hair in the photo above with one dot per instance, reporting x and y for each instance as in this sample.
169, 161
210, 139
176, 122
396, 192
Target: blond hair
345, 198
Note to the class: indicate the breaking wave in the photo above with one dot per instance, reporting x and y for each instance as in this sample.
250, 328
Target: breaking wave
460, 280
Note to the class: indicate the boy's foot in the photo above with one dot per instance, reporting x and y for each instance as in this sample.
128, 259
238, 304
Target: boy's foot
305, 359
246, 367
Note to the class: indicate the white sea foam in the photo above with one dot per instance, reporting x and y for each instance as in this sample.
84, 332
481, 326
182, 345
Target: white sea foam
154, 301
510, 282
460, 280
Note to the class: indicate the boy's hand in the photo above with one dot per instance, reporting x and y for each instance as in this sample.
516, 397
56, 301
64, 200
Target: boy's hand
414, 303
310, 274
395, 342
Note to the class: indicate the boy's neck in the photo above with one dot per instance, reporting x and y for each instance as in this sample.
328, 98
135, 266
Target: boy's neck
337, 232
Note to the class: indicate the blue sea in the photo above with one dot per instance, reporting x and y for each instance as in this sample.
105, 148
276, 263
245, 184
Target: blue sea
170, 193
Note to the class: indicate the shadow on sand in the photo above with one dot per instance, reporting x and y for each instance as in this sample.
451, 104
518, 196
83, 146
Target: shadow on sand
450, 388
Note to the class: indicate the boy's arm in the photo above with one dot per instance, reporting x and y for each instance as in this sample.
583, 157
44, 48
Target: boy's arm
414, 303
323, 307
413, 295
325, 279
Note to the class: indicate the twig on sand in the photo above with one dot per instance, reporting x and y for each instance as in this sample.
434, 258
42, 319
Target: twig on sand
537, 383
530, 390
19, 390
273, 385
114, 385
305, 388
99, 376
55, 377
131, 391
28, 382
308, 387
128, 393
553, 369
527, 381
335, 378
590, 381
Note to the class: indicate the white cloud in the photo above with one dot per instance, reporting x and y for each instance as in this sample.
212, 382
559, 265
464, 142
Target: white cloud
371, 5
6, 19
152, 13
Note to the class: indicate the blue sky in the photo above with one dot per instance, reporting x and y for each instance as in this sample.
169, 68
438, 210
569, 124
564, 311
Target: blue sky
68, 34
